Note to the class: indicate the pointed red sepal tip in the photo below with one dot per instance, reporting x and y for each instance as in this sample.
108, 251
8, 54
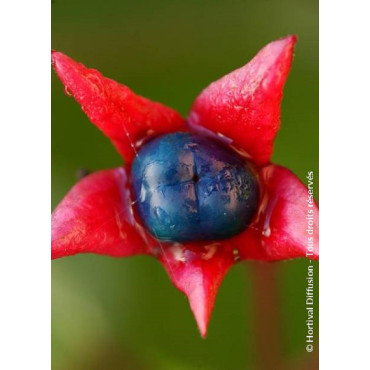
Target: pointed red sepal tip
287, 224
244, 106
197, 271
124, 117
96, 217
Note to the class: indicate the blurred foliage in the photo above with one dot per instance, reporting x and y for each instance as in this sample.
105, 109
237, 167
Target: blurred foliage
124, 313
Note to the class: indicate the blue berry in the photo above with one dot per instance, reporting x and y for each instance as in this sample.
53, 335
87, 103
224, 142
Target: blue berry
190, 188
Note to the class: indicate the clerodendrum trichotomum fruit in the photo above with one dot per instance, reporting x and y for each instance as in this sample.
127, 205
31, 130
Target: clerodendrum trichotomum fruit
190, 188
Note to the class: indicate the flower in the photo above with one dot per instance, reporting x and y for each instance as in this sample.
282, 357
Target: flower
241, 109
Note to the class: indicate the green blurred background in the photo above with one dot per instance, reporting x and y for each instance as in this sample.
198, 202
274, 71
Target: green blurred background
124, 313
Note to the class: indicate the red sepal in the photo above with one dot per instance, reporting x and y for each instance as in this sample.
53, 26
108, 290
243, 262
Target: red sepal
197, 269
96, 217
244, 106
126, 118
280, 230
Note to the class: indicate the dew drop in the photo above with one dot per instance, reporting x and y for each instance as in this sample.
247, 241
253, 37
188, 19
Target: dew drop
266, 232
66, 91
236, 255
268, 213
